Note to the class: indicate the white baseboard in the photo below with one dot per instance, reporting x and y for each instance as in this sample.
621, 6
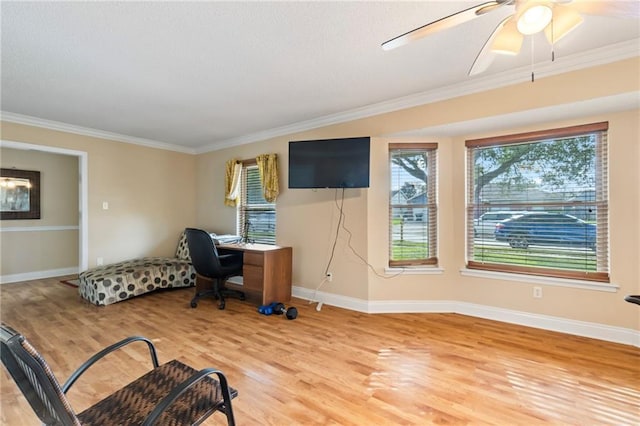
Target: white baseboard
563, 325
37, 275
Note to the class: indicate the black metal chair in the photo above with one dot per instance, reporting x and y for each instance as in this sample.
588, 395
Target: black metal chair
633, 298
169, 394
215, 266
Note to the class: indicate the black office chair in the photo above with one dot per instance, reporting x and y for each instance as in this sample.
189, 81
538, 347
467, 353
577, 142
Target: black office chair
210, 264
169, 394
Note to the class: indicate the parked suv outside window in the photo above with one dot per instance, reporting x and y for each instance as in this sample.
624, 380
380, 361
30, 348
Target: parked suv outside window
485, 225
553, 229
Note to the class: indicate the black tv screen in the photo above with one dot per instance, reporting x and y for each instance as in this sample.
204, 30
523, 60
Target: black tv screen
329, 163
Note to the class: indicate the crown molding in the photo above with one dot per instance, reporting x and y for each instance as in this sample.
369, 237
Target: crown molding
600, 56
87, 131
594, 57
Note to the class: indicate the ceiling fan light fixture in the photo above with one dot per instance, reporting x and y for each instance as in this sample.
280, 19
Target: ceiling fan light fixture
508, 40
564, 20
534, 18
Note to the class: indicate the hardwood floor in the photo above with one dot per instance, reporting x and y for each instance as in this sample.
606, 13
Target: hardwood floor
334, 367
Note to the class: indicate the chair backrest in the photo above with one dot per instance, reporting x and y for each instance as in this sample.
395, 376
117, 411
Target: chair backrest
204, 255
35, 379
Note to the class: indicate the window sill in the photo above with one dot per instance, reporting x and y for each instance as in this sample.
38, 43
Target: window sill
524, 278
418, 270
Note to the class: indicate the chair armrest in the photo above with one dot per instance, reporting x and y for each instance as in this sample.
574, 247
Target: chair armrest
633, 298
229, 258
184, 386
226, 256
76, 374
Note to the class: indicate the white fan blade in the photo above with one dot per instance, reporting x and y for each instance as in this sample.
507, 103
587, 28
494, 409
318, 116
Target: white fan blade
565, 19
486, 56
617, 9
443, 23
508, 40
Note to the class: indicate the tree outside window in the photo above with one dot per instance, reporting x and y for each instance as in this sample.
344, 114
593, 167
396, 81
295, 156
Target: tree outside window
412, 205
537, 203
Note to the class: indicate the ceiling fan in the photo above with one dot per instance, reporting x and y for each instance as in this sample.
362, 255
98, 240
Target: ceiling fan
555, 17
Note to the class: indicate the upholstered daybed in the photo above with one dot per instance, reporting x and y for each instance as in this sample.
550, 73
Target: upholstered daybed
104, 285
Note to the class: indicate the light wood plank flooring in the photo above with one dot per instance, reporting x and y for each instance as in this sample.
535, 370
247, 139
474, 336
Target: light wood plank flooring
334, 367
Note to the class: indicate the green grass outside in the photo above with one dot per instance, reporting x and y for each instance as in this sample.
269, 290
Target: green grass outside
577, 260
408, 250
541, 257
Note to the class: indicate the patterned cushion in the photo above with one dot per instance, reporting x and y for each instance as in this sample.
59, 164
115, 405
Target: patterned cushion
104, 285
182, 252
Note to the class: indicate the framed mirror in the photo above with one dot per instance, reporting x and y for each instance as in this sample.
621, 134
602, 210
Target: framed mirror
19, 194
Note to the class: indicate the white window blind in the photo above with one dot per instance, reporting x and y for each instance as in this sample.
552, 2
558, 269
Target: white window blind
537, 203
412, 205
256, 216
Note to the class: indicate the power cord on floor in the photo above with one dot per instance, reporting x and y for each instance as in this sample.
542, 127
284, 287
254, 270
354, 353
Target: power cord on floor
315, 295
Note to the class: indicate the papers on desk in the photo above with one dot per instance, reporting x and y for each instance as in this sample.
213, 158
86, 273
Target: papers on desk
225, 238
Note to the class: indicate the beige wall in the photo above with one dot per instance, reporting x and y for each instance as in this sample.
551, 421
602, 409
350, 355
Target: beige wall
306, 219
43, 244
151, 193
573, 303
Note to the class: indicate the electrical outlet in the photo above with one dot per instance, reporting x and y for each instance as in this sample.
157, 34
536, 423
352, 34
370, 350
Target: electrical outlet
329, 276
99, 261
537, 292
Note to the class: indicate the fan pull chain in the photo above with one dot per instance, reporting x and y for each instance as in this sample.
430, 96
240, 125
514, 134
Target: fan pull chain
553, 42
533, 78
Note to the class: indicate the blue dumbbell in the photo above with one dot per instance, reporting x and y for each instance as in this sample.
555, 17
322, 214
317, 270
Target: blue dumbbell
267, 309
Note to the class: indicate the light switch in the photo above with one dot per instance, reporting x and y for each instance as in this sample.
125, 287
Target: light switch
105, 205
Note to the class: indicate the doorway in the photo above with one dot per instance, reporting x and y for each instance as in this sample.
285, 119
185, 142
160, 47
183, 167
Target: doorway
83, 237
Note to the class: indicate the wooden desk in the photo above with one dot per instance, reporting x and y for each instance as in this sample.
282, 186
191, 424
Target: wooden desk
266, 271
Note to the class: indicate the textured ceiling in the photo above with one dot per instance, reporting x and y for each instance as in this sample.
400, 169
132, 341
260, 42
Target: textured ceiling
204, 75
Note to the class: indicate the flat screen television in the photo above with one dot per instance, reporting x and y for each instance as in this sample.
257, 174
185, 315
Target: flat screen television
329, 163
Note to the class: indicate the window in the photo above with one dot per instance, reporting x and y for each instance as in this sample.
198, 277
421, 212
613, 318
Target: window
256, 217
412, 205
552, 186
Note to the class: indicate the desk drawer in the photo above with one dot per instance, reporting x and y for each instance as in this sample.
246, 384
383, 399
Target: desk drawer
252, 258
252, 277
